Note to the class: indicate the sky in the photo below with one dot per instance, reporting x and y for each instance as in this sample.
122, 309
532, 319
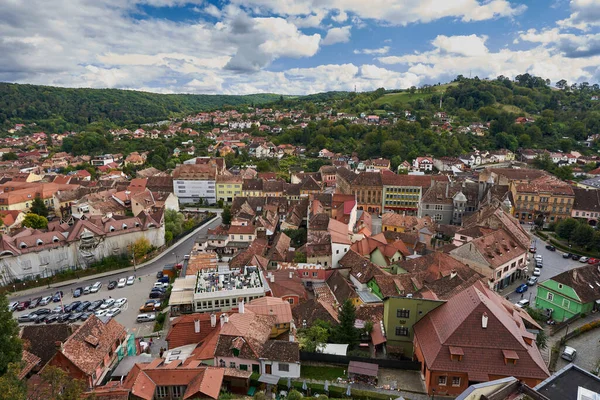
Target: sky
293, 46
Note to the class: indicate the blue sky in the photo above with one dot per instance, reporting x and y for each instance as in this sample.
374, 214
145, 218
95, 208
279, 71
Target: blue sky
293, 46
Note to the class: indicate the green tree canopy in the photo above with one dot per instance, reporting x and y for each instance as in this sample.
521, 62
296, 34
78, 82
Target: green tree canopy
345, 332
38, 207
10, 344
35, 221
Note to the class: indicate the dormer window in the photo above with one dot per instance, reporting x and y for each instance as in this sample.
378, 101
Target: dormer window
112, 228
137, 224
510, 357
55, 239
23, 245
39, 242
124, 226
456, 353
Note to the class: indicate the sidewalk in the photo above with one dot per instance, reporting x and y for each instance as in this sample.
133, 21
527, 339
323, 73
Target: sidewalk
57, 285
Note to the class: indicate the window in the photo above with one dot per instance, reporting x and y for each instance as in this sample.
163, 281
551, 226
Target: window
550, 296
232, 364
315, 274
456, 381
243, 367
401, 331
402, 313
560, 286
566, 303
178, 391
442, 380
290, 300
162, 391
283, 367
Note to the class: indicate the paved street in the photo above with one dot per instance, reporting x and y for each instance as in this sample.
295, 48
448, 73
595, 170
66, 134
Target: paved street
588, 350
175, 254
554, 264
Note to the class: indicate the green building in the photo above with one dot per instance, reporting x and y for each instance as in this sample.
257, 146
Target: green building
570, 293
400, 314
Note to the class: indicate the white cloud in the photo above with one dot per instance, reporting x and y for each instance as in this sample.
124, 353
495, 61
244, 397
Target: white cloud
340, 17
285, 39
309, 21
568, 44
213, 11
471, 45
337, 35
398, 12
584, 15
378, 51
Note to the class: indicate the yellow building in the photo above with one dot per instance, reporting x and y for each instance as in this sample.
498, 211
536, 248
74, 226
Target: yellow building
546, 197
228, 187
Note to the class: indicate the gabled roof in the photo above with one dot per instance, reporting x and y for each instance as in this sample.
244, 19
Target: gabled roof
183, 329
360, 268
41, 339
459, 324
585, 281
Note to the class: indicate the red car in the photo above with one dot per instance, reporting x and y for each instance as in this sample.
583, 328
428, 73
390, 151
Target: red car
593, 261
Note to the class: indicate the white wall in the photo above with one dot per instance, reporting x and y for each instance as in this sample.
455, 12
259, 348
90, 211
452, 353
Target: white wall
338, 251
294, 369
191, 191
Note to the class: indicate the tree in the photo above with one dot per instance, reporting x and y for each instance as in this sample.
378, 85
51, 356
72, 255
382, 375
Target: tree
140, 247
310, 338
226, 215
11, 387
35, 221
299, 257
56, 384
583, 235
11, 347
294, 395
9, 156
38, 207
345, 332
565, 228
541, 339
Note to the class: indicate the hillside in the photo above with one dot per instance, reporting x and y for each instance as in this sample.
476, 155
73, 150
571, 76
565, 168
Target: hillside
58, 109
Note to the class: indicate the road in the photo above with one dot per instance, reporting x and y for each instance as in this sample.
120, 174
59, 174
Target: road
554, 264
174, 255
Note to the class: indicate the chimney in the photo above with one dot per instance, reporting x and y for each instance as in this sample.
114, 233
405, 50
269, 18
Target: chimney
241, 307
291, 275
575, 274
222, 320
196, 326
226, 318
447, 187
272, 278
213, 320
453, 274
484, 320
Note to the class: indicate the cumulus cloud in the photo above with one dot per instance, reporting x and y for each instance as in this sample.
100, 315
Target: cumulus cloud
568, 44
471, 45
584, 15
337, 35
378, 51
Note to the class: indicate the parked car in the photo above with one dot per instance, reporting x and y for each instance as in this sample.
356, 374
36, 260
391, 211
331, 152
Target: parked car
584, 259
83, 306
27, 317
75, 316
160, 285
107, 304
77, 292
550, 247
63, 317
120, 302
522, 288
95, 305
567, 255
72, 306
539, 264
130, 280
575, 257
150, 305
164, 279
112, 285
159, 275
532, 281
101, 313
13, 306
87, 290
52, 318
538, 257
45, 300
23, 305
522, 303
57, 310
35, 302
40, 318
569, 353
57, 296
532, 249
113, 312
85, 316
145, 318
95, 287
537, 272
122, 283
156, 295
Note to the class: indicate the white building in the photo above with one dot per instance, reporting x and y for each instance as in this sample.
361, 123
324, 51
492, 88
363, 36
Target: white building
195, 182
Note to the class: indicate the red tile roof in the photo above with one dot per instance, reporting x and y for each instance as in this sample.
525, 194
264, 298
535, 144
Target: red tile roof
182, 330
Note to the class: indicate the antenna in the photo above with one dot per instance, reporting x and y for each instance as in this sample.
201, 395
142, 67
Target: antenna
354, 88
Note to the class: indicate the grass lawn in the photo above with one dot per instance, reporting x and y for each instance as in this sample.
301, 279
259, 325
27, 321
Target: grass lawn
403, 98
321, 373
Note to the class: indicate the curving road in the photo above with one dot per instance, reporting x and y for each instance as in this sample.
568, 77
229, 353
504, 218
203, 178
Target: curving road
175, 254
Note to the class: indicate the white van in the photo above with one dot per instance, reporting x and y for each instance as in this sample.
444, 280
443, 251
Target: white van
569, 353
145, 318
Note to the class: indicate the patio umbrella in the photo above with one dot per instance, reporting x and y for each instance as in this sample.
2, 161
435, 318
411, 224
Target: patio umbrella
304, 387
326, 386
289, 383
349, 390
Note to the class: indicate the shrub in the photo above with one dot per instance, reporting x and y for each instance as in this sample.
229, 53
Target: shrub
294, 395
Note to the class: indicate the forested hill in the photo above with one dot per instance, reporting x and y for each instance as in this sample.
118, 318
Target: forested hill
58, 109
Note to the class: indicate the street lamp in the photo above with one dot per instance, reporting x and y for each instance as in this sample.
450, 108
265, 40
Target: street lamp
432, 394
176, 258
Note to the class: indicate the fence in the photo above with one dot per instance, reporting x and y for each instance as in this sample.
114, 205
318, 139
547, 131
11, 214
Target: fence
344, 360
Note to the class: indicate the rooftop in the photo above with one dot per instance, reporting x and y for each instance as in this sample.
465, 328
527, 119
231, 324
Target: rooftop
227, 280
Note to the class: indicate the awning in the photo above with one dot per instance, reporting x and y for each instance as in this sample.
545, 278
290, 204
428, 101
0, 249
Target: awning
181, 298
376, 335
269, 379
361, 368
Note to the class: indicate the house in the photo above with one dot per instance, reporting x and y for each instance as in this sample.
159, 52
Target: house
379, 251
193, 183
496, 256
476, 336
324, 153
91, 351
152, 202
423, 164
546, 198
402, 193
448, 164
41, 340
448, 202
586, 205
288, 286
570, 293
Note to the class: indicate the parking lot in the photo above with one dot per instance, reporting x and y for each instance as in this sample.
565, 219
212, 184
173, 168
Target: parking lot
135, 294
